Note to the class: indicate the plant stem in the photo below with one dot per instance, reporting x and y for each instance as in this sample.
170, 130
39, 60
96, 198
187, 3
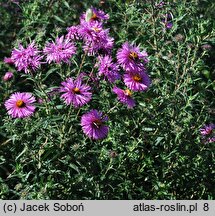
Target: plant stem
110, 110
39, 86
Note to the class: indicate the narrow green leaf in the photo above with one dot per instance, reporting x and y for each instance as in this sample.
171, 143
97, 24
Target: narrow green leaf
59, 19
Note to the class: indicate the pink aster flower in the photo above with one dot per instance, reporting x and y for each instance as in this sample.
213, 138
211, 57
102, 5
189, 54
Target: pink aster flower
208, 133
91, 31
8, 76
26, 58
61, 50
93, 124
75, 92
102, 47
131, 58
107, 68
96, 39
94, 15
20, 105
136, 80
107, 46
73, 32
167, 20
207, 129
124, 96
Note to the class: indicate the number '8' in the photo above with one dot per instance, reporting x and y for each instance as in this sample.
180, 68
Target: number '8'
206, 207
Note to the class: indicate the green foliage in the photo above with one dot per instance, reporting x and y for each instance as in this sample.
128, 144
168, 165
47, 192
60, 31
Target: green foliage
153, 151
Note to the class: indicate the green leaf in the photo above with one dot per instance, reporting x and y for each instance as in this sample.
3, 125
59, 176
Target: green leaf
66, 4
206, 73
49, 72
148, 129
158, 140
74, 167
59, 19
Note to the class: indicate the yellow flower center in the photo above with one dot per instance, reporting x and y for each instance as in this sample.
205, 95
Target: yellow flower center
76, 90
20, 103
133, 55
96, 29
137, 78
94, 16
128, 92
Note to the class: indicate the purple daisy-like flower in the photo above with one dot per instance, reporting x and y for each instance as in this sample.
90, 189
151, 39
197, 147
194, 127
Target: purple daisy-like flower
91, 31
167, 20
26, 58
208, 133
74, 92
106, 46
131, 58
94, 15
96, 39
124, 96
93, 124
20, 105
8, 76
102, 47
136, 80
207, 129
107, 68
61, 50
73, 32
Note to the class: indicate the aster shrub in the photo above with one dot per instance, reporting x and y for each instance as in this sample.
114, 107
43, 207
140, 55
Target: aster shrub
108, 100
